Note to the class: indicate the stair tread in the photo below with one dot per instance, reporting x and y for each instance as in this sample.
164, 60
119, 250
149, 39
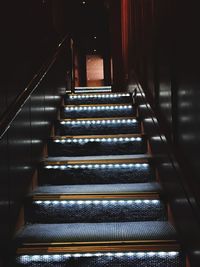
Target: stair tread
99, 188
96, 232
106, 157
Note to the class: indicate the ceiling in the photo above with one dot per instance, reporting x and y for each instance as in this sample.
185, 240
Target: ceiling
88, 24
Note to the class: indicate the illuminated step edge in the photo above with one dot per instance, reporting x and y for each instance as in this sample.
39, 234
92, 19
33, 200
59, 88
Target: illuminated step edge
92, 90
107, 140
82, 122
97, 166
62, 257
92, 87
99, 108
97, 202
98, 96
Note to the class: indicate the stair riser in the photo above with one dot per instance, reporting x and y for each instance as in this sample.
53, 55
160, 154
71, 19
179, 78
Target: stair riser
96, 113
102, 261
98, 129
82, 101
64, 212
96, 148
96, 176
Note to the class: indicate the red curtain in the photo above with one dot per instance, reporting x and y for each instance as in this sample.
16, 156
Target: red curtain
125, 7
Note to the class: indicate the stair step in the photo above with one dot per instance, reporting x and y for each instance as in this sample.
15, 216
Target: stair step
106, 98
97, 145
94, 210
100, 89
151, 244
99, 203
99, 171
96, 233
92, 126
102, 207
97, 110
100, 189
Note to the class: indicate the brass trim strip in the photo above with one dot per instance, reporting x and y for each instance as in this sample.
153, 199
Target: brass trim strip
93, 249
133, 160
98, 136
99, 119
89, 243
130, 196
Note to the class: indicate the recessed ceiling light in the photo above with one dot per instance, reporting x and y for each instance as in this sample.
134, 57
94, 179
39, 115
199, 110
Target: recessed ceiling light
95, 50
95, 37
83, 2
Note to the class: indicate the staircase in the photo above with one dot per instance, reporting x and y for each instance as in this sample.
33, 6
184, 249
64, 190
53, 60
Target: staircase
99, 201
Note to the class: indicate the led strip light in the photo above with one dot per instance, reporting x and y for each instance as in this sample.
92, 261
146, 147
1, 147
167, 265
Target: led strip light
107, 140
57, 257
97, 202
99, 108
97, 96
97, 166
81, 122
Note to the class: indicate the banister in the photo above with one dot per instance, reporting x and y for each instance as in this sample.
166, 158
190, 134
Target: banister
12, 111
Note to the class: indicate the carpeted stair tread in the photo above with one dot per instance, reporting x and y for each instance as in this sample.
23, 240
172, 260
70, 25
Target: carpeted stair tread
98, 188
94, 232
107, 157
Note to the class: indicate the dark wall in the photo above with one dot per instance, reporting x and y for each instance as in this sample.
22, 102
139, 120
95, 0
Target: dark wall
165, 55
27, 39
22, 149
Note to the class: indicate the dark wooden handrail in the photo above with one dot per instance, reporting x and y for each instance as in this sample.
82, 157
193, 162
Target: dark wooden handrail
16, 106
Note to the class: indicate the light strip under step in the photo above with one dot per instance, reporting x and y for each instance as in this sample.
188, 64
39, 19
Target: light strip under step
97, 166
96, 108
62, 257
88, 96
98, 202
97, 140
99, 121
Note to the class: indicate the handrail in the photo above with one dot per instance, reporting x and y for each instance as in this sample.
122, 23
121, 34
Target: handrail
169, 153
13, 110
